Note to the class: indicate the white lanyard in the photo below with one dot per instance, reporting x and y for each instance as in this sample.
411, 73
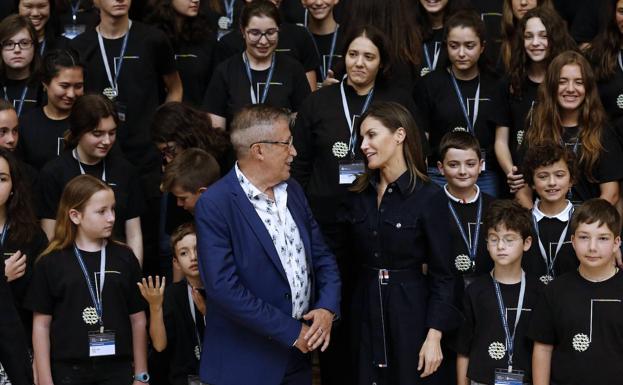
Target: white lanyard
193, 313
437, 51
113, 81
75, 154
549, 260
471, 125
269, 78
96, 297
348, 116
510, 337
620, 60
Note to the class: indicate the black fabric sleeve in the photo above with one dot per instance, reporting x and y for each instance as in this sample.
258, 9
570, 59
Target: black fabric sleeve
49, 192
309, 58
542, 328
610, 159
500, 111
40, 298
135, 301
465, 333
303, 142
136, 197
300, 86
215, 99
423, 100
164, 54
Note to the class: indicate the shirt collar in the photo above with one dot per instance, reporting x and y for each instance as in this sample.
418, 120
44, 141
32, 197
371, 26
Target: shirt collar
562, 216
461, 201
402, 182
251, 190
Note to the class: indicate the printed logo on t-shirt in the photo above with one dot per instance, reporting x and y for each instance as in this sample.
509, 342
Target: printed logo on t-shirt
260, 86
582, 341
497, 349
60, 144
185, 56
492, 21
125, 57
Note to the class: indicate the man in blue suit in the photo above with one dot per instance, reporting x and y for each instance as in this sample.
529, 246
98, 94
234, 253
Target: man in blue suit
272, 284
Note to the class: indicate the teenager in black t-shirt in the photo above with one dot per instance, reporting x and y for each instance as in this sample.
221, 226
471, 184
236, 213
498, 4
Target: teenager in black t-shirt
89, 322
177, 313
21, 241
327, 37
19, 63
459, 98
605, 56
42, 129
571, 114
90, 141
541, 36
258, 75
498, 306
577, 324
550, 170
294, 41
193, 43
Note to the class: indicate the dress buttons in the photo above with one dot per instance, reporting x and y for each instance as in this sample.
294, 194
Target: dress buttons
398, 225
390, 190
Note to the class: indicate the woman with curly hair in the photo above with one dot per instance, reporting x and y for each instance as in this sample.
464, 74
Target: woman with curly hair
193, 43
541, 36
570, 113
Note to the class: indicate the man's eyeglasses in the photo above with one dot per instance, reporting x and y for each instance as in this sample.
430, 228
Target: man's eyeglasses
10, 45
285, 142
255, 35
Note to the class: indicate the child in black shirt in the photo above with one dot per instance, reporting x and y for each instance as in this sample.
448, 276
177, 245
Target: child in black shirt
178, 325
491, 342
550, 171
578, 321
89, 323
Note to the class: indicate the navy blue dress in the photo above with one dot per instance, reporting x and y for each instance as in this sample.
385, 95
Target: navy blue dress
394, 303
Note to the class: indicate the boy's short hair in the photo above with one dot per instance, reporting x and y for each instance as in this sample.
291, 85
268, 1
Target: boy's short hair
460, 140
191, 170
179, 233
597, 210
510, 214
545, 155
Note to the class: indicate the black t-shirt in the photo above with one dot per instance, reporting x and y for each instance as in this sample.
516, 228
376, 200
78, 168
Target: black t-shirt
121, 176
12, 91
550, 230
294, 41
229, 88
611, 94
148, 57
583, 320
607, 169
514, 111
41, 138
588, 20
323, 47
184, 336
491, 14
59, 289
195, 64
482, 328
320, 125
441, 111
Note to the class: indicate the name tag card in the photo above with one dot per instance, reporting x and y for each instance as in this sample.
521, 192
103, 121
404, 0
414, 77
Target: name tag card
101, 344
506, 377
349, 169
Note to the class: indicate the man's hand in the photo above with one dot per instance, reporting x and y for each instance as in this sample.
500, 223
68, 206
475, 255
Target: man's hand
15, 266
300, 343
320, 330
153, 294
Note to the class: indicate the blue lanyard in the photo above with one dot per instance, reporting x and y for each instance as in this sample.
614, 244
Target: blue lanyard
245, 59
74, 10
229, 9
473, 248
437, 50
42, 48
22, 98
324, 72
348, 116
97, 299
5, 230
549, 259
113, 81
510, 338
471, 124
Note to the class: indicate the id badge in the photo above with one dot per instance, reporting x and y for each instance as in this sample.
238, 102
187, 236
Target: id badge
193, 380
102, 344
121, 111
73, 30
506, 377
349, 169
483, 156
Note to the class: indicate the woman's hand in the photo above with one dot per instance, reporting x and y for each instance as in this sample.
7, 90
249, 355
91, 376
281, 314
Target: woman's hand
15, 266
515, 181
330, 79
430, 354
153, 294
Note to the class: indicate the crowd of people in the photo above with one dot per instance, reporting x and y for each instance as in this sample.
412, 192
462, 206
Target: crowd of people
228, 192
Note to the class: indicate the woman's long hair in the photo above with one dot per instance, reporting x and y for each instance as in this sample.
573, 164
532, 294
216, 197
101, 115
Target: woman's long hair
194, 29
509, 26
75, 197
547, 123
558, 41
606, 46
393, 116
22, 221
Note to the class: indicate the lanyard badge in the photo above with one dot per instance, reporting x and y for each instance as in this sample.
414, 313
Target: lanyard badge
431, 64
113, 91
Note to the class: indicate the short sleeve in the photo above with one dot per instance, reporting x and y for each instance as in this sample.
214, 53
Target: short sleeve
215, 99
136, 197
500, 111
49, 192
422, 100
164, 54
309, 58
465, 333
169, 311
135, 301
300, 87
39, 297
542, 327
610, 159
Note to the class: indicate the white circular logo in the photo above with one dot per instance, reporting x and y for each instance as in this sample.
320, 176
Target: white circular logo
224, 22
340, 149
546, 279
497, 350
459, 129
425, 71
89, 315
520, 136
110, 93
462, 263
620, 101
581, 342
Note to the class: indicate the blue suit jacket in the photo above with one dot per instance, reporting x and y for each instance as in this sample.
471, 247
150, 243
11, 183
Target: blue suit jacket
249, 326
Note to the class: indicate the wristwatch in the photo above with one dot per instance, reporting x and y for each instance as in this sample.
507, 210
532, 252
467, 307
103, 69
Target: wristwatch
142, 377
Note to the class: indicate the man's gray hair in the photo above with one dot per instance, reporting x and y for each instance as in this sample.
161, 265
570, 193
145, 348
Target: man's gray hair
254, 123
